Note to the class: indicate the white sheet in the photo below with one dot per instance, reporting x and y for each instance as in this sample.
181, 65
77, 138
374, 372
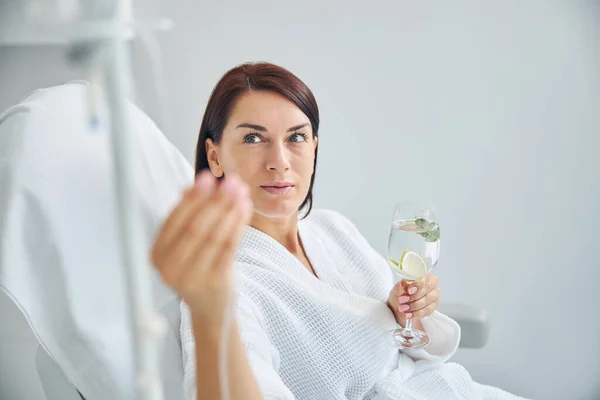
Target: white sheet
59, 258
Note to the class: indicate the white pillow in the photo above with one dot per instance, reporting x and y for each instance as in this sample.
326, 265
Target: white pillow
59, 257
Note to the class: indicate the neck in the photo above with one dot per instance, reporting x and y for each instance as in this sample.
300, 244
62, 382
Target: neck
283, 230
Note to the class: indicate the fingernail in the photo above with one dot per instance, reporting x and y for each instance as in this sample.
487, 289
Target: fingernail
404, 307
408, 315
412, 290
403, 299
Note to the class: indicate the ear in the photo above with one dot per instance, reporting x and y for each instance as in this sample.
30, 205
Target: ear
315, 143
212, 155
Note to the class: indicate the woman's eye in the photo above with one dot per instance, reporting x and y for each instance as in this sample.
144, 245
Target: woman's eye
252, 138
298, 137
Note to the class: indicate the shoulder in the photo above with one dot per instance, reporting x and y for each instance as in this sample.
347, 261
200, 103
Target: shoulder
334, 223
330, 219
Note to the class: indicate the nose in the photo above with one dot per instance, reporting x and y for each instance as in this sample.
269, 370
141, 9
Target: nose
278, 159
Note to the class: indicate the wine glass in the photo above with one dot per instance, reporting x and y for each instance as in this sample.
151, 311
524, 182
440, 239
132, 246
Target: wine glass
413, 249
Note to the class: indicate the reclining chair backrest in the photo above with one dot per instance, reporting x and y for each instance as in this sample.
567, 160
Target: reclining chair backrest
59, 256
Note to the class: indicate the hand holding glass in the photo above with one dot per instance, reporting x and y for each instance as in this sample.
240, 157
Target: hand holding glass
413, 250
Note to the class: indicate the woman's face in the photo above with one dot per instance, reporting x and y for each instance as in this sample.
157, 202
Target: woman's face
268, 142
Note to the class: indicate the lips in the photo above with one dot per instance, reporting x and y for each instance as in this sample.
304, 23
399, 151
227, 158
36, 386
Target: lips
277, 187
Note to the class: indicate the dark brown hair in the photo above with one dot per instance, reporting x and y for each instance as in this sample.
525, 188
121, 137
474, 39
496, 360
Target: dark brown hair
249, 77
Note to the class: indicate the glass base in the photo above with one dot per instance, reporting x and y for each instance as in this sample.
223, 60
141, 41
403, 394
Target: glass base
415, 340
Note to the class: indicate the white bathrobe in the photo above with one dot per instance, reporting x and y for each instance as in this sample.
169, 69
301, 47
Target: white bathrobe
328, 338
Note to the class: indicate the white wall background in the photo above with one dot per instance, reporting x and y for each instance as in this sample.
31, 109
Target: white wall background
492, 109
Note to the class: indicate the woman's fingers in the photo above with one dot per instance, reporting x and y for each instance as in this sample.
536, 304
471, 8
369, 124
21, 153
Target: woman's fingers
181, 237
204, 191
192, 226
426, 311
195, 236
194, 248
424, 297
212, 226
397, 291
423, 302
421, 287
176, 224
227, 242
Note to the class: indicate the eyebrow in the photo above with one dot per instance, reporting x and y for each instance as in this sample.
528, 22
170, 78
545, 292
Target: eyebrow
263, 129
295, 128
252, 126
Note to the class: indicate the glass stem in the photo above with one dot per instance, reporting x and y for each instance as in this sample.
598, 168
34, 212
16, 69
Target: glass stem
407, 331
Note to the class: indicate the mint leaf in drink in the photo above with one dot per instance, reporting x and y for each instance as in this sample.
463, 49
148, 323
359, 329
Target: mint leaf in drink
430, 231
431, 236
423, 224
420, 223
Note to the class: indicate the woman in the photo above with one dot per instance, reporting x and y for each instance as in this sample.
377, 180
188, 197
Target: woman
314, 303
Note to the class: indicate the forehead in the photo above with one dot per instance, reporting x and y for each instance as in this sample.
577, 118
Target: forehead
268, 109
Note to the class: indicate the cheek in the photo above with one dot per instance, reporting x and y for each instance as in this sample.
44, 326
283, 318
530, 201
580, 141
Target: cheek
242, 163
305, 161
303, 165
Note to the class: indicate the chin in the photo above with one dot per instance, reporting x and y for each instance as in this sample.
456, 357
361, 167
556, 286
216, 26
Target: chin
277, 209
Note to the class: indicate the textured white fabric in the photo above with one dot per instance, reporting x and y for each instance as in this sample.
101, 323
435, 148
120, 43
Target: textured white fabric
329, 337
59, 249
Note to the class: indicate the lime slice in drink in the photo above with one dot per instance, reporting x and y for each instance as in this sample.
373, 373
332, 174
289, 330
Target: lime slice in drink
412, 264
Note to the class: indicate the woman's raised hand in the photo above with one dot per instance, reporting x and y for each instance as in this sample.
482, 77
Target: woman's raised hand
194, 249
